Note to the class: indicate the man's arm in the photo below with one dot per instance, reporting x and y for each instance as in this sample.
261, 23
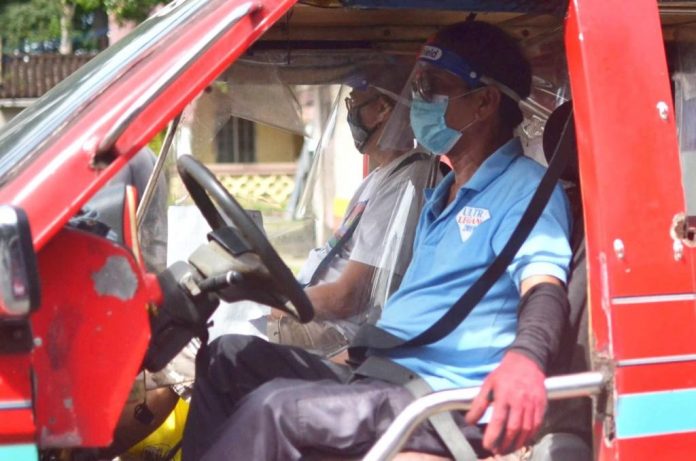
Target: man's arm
516, 386
345, 296
350, 293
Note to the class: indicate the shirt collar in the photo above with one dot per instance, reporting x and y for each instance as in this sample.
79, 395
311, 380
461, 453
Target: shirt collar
494, 165
490, 169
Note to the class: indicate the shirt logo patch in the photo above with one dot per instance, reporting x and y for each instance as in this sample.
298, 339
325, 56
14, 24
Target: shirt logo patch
469, 219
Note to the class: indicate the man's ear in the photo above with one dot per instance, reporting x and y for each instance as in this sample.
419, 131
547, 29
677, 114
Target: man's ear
489, 102
384, 109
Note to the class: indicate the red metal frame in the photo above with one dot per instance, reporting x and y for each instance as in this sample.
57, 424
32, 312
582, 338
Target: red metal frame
69, 156
631, 185
85, 369
92, 338
16, 426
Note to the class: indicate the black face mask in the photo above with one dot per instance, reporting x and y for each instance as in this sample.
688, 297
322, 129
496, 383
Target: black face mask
361, 134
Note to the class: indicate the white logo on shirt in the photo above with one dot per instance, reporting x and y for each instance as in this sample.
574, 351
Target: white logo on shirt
469, 219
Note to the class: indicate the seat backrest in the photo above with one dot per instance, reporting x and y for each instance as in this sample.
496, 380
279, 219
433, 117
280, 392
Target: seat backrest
572, 416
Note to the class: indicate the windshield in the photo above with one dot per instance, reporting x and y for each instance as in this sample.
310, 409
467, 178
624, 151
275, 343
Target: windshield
25, 134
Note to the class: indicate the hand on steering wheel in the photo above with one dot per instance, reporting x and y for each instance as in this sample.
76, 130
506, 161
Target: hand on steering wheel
212, 198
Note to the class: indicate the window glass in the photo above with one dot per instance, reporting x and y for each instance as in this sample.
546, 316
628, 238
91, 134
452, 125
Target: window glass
684, 78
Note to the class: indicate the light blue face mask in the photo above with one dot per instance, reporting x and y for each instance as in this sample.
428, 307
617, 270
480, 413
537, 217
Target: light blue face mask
429, 126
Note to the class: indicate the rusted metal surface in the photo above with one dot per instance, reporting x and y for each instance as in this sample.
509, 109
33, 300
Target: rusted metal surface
93, 334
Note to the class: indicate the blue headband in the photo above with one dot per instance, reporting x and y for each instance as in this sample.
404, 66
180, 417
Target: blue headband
452, 62
356, 81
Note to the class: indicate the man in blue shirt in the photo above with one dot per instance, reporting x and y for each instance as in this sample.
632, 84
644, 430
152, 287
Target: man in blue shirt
254, 400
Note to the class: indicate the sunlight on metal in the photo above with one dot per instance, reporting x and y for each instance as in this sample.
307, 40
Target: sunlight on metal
157, 171
558, 388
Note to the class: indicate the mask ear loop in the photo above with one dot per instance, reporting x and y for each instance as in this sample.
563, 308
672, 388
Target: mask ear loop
465, 127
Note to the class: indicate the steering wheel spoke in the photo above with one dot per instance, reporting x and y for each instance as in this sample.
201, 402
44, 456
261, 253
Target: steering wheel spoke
218, 208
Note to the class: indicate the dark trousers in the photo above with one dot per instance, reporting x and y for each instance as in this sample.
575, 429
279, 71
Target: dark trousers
254, 400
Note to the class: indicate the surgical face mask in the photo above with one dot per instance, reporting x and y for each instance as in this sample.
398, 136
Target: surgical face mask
361, 134
429, 125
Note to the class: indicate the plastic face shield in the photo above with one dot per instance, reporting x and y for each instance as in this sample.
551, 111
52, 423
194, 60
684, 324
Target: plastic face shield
439, 72
397, 239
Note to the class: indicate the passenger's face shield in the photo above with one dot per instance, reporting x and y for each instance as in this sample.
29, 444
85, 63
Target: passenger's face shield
397, 235
334, 151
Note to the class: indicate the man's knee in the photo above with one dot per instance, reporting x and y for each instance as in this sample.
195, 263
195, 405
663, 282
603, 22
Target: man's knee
221, 359
230, 345
271, 404
275, 395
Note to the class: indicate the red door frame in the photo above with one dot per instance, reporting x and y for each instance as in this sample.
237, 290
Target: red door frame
64, 175
642, 312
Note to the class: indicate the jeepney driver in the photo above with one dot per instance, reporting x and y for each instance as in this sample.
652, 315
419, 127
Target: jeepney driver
255, 400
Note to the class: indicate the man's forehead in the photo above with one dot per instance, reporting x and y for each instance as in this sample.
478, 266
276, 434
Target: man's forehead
428, 70
450, 62
357, 93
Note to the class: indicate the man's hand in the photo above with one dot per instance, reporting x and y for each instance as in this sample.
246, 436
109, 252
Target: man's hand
519, 403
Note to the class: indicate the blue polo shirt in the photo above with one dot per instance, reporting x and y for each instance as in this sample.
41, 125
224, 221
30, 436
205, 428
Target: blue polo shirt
454, 245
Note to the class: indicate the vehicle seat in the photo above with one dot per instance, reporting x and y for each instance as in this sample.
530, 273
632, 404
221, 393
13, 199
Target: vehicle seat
567, 431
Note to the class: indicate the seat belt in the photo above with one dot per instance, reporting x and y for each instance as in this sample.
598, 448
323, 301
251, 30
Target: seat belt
445, 427
324, 264
372, 337
326, 261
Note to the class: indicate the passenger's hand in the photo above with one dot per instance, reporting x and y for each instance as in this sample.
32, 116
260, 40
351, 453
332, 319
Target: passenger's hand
519, 403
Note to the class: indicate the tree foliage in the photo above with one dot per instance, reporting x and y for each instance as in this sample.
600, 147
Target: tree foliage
34, 20
39, 21
136, 10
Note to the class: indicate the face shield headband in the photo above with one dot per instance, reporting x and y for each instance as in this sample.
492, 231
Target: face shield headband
452, 62
398, 133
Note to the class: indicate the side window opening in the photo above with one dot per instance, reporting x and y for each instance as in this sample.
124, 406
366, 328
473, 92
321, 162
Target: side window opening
684, 79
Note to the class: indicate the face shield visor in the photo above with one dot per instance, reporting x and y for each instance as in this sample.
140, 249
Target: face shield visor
397, 241
438, 78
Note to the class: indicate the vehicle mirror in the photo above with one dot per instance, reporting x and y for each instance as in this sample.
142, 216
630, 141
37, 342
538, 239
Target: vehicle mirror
19, 280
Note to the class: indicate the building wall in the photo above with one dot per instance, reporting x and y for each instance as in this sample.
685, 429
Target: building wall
275, 146
7, 113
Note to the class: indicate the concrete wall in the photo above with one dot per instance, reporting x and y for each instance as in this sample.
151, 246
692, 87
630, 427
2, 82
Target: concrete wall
274, 145
7, 113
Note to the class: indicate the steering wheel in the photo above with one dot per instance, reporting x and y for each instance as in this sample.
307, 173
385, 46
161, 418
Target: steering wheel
207, 192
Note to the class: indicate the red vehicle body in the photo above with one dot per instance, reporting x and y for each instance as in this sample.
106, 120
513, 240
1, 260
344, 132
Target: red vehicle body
88, 344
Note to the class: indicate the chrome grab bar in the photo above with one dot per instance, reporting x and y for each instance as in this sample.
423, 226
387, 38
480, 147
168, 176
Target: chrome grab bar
557, 388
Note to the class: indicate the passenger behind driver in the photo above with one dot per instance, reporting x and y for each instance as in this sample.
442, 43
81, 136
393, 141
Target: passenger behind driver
340, 286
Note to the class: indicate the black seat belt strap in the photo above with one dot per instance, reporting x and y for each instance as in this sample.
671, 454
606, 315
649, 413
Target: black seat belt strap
324, 264
368, 338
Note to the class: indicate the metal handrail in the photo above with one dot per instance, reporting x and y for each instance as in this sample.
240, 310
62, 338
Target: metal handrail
391, 442
152, 182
